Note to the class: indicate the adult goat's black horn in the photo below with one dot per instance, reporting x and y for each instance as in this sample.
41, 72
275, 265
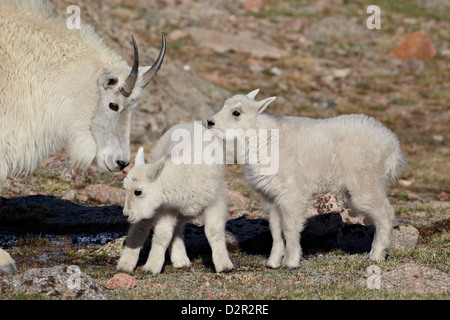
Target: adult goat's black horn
132, 77
148, 76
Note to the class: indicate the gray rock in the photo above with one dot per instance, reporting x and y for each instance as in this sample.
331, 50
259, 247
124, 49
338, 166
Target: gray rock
65, 283
222, 42
413, 278
404, 237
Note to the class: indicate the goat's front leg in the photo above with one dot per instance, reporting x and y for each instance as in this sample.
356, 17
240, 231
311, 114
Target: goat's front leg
178, 254
293, 211
277, 252
163, 233
215, 221
136, 237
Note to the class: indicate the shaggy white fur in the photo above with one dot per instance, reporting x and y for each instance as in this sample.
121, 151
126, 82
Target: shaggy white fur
169, 195
60, 87
352, 153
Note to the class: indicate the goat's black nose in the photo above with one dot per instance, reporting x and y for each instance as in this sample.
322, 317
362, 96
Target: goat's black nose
122, 164
210, 123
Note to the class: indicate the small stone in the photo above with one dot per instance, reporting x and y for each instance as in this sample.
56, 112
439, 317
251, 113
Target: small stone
442, 196
417, 46
111, 249
43, 257
276, 71
341, 73
404, 238
121, 280
438, 137
404, 183
128, 168
253, 5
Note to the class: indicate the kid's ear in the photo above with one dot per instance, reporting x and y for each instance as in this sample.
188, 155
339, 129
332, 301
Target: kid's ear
159, 166
263, 104
139, 160
253, 94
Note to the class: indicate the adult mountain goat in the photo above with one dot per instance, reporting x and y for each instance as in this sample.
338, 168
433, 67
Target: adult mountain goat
352, 153
62, 87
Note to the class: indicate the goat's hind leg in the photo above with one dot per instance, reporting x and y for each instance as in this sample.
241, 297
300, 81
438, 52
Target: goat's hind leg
377, 207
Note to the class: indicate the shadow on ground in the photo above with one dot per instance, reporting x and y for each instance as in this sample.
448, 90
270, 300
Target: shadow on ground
40, 214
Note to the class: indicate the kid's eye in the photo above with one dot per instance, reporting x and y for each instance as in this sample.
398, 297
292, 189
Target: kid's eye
114, 106
137, 193
236, 113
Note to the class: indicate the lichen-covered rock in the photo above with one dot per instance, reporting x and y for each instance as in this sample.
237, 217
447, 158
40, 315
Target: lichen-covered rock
112, 249
404, 237
65, 283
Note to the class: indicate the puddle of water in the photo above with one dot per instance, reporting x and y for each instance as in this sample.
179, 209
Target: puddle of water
81, 239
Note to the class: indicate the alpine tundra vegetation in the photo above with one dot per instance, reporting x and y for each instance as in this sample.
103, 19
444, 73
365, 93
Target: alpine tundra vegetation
62, 87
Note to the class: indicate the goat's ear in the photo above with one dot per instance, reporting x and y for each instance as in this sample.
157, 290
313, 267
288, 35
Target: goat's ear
108, 81
263, 104
159, 166
139, 160
253, 94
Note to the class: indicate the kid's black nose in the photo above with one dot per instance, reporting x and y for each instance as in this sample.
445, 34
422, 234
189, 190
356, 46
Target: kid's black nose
210, 123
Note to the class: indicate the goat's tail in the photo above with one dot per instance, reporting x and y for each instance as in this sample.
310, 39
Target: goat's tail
396, 163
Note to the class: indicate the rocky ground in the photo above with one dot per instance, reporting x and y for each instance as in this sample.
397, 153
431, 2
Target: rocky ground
321, 60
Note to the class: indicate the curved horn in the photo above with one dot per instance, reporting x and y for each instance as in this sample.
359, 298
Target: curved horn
148, 76
132, 77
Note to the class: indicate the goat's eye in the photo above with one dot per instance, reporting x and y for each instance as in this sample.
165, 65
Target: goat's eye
236, 113
137, 193
114, 106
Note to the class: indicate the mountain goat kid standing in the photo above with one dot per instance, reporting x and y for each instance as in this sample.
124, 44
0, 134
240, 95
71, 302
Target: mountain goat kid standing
352, 153
170, 194
62, 87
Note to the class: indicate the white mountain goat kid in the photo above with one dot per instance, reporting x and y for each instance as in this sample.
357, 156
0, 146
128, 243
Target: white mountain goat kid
351, 153
170, 195
61, 87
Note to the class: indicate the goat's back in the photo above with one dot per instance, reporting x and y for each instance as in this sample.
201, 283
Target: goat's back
338, 146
